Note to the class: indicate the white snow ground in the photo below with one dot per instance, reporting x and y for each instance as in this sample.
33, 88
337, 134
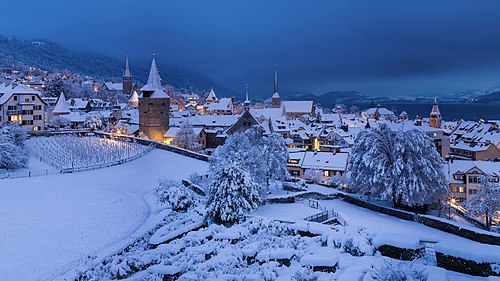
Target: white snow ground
49, 224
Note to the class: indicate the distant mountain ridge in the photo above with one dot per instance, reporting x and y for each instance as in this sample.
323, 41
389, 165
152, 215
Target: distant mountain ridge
334, 97
52, 57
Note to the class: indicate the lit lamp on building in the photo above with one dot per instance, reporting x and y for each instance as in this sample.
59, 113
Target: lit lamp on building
452, 201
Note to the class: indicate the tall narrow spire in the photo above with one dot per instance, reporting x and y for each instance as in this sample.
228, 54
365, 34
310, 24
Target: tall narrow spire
127, 69
435, 107
154, 78
276, 78
246, 94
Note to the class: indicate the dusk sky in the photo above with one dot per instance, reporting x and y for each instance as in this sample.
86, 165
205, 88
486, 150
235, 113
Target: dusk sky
377, 47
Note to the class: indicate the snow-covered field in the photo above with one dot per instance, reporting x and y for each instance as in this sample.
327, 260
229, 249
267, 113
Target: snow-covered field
50, 224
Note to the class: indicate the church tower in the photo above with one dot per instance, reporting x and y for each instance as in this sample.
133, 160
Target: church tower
246, 103
276, 100
127, 79
435, 118
154, 107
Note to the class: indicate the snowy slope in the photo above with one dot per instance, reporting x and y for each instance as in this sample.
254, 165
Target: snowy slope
49, 224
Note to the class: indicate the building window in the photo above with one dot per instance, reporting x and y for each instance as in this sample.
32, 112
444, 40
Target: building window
27, 100
15, 98
461, 189
474, 179
454, 189
32, 98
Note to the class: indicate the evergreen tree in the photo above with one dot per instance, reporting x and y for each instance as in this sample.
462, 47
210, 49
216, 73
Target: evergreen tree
487, 200
402, 166
232, 194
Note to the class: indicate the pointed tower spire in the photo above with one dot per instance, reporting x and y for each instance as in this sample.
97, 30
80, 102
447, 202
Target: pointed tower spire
276, 100
246, 94
276, 79
154, 78
246, 103
127, 69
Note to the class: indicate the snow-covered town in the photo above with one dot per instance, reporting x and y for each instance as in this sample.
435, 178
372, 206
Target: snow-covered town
148, 177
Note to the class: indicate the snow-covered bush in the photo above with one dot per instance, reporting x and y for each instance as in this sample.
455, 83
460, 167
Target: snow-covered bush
174, 195
13, 153
94, 123
338, 180
313, 175
394, 270
232, 194
357, 242
118, 129
58, 122
402, 166
304, 274
202, 181
487, 200
69, 151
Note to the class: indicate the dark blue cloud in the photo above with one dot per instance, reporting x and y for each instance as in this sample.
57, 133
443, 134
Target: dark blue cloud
380, 47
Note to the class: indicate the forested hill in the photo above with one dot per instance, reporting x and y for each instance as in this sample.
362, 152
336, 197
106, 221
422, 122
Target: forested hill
50, 56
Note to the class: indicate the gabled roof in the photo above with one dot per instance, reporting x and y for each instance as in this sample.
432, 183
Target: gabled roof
112, 86
222, 104
298, 106
6, 92
325, 161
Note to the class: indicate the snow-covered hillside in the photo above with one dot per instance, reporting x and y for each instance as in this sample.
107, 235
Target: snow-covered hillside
50, 224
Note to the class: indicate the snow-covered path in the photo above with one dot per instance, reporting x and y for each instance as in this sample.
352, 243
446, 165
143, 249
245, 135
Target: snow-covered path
49, 223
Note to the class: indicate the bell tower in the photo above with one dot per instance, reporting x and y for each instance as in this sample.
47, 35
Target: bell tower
435, 118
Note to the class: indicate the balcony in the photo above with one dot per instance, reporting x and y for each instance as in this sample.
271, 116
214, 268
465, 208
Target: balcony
14, 112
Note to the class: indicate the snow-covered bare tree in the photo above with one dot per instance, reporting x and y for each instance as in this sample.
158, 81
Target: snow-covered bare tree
354, 109
232, 194
487, 200
402, 166
94, 123
338, 179
313, 175
275, 155
13, 153
57, 122
340, 108
174, 194
118, 129
186, 137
